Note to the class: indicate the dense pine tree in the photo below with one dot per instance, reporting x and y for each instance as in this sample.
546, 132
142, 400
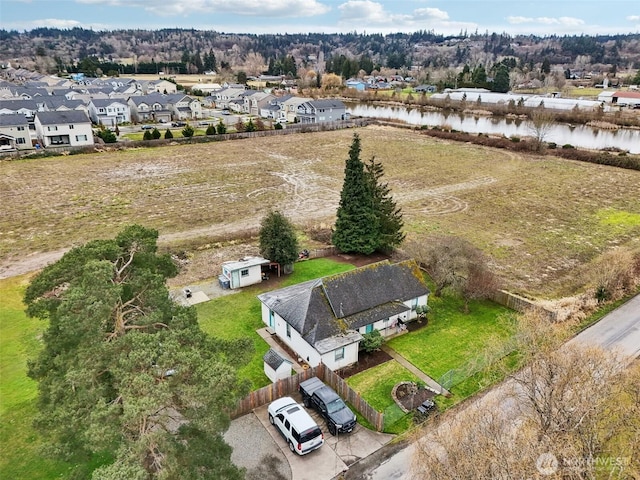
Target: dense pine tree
357, 225
278, 241
123, 369
389, 215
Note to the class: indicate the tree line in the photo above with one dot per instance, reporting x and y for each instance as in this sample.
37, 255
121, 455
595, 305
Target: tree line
184, 49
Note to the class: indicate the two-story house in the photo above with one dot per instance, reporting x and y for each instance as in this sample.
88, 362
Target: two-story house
70, 128
322, 110
109, 112
14, 133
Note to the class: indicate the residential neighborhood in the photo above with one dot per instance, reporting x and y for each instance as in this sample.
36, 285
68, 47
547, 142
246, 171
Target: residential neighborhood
117, 102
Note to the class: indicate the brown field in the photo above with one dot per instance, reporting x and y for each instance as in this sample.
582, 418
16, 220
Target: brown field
540, 218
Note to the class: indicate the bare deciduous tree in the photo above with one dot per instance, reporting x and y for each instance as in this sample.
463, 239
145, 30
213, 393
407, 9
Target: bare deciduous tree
455, 263
541, 123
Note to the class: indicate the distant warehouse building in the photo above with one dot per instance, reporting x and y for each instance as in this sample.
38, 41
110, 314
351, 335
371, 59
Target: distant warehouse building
626, 99
479, 96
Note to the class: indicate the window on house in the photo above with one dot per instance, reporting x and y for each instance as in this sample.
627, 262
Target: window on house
414, 304
339, 354
288, 331
20, 128
50, 128
368, 328
244, 273
81, 138
70, 127
20, 141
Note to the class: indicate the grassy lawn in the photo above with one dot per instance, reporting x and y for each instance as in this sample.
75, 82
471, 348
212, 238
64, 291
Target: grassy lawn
375, 385
19, 442
453, 338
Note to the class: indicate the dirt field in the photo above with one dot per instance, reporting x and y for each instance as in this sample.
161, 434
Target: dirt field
540, 218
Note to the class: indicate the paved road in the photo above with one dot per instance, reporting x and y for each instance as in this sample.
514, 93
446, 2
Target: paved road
617, 331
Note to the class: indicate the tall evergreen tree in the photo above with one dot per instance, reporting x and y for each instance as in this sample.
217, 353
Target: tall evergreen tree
124, 369
389, 214
357, 225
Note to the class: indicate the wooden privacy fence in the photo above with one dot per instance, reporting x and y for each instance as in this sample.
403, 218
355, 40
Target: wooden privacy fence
323, 252
289, 386
521, 304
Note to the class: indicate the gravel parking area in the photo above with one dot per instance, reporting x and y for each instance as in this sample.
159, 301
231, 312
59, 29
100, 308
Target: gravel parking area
255, 450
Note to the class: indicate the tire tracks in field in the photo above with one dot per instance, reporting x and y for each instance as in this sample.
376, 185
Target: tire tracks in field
311, 199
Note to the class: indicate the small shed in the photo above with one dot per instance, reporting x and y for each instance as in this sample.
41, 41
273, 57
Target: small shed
275, 366
244, 272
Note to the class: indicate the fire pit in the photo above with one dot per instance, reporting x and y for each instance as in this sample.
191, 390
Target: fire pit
410, 395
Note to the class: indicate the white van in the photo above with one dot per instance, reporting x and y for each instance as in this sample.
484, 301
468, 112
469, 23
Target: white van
296, 426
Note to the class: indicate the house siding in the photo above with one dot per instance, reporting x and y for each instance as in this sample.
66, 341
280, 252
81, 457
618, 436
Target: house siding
305, 351
350, 357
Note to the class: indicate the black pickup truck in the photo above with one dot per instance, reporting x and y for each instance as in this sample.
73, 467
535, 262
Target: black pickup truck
340, 419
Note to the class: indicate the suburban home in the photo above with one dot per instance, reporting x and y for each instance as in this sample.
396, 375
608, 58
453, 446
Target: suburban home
289, 108
254, 101
356, 84
28, 108
109, 112
14, 133
184, 107
160, 86
323, 320
152, 107
425, 89
323, 110
275, 366
244, 272
70, 128
226, 95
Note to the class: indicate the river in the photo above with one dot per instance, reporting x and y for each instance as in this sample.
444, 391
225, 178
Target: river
577, 135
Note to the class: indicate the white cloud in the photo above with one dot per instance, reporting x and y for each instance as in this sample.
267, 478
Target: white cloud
262, 8
363, 11
634, 18
373, 17
53, 23
430, 14
560, 21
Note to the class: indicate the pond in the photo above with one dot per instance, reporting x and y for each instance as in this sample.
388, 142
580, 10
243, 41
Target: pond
577, 135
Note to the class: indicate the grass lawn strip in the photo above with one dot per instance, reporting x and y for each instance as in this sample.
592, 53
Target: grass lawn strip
452, 338
19, 442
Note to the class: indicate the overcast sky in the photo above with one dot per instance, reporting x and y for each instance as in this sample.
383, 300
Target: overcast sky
541, 17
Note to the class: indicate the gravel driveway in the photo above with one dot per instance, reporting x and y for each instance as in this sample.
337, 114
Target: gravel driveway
255, 450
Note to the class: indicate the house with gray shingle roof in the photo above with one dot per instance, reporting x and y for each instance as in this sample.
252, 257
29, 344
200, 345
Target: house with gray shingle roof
67, 128
109, 112
322, 110
14, 133
323, 320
